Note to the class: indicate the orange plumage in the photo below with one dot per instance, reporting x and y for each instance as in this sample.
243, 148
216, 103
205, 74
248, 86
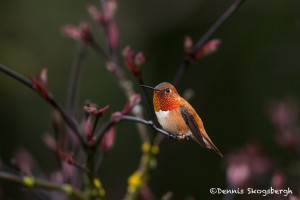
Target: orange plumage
178, 117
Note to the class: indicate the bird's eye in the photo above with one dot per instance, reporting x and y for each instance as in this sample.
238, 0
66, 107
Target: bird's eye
168, 90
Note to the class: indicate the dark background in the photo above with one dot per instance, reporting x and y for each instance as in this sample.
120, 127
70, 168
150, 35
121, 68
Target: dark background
257, 62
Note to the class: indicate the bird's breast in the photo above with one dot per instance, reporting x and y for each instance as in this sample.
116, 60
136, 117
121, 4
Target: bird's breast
163, 117
172, 121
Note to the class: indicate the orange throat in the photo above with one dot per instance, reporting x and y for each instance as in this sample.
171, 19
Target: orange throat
164, 103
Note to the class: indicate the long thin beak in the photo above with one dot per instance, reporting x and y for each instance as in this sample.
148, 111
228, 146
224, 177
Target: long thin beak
152, 88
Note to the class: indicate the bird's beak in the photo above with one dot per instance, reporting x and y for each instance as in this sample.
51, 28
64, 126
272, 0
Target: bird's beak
152, 88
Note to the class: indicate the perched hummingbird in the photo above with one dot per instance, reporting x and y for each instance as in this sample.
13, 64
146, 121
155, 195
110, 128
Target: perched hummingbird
178, 117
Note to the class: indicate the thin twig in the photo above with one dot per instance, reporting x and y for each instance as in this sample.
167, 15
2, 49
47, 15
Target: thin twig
43, 184
100, 50
148, 99
187, 60
102, 132
16, 76
75, 78
82, 168
95, 125
153, 126
139, 121
67, 118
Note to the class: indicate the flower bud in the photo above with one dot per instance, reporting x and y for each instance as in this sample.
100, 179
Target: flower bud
188, 45
140, 59
116, 116
108, 139
95, 14
88, 128
82, 33
210, 47
134, 61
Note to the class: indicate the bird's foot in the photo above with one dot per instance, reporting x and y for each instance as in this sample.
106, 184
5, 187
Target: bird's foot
183, 137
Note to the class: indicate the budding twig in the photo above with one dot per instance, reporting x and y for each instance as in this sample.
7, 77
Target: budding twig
187, 59
43, 184
67, 118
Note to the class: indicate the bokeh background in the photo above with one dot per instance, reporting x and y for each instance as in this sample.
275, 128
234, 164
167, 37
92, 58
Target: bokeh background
258, 62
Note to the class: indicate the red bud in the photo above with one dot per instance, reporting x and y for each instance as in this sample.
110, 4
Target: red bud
71, 158
116, 116
108, 139
134, 100
88, 128
209, 48
62, 155
92, 109
95, 14
140, 59
103, 110
81, 33
113, 35
109, 10
134, 61
40, 84
43, 76
188, 44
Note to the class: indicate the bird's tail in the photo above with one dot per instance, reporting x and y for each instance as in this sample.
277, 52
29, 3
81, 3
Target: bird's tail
207, 144
212, 146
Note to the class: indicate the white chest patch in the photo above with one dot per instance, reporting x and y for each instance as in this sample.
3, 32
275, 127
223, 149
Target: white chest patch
162, 117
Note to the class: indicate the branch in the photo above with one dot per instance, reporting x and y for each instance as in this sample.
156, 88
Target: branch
114, 66
75, 78
67, 118
153, 126
139, 121
187, 59
102, 132
36, 183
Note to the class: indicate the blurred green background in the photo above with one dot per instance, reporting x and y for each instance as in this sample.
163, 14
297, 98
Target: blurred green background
258, 61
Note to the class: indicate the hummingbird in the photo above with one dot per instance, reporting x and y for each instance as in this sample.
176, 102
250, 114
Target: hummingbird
178, 117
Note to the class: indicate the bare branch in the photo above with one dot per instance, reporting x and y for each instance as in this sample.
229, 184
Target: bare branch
187, 59
67, 118
75, 78
153, 126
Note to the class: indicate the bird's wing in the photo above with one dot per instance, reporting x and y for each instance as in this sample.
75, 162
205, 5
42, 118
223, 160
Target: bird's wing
191, 123
199, 136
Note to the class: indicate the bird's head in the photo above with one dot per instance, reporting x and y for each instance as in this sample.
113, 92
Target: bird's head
165, 97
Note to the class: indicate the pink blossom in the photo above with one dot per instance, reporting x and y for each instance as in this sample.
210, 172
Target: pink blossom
247, 166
